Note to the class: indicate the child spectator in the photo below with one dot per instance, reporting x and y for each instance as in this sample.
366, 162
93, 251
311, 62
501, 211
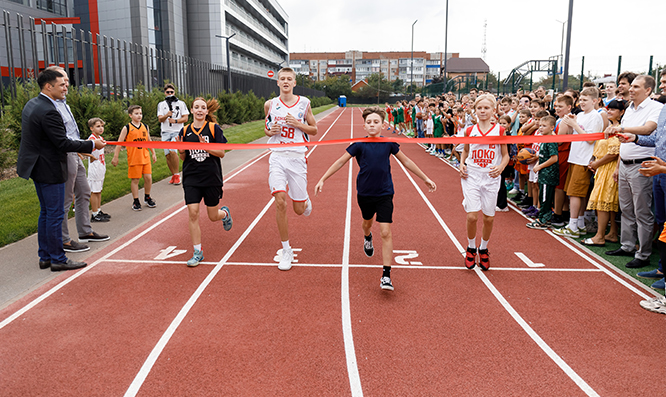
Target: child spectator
429, 127
96, 171
438, 132
507, 174
578, 179
549, 175
480, 166
138, 159
374, 186
524, 197
563, 106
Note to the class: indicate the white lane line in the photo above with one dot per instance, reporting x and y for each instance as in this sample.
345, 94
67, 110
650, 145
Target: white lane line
336, 265
507, 306
78, 274
326, 133
527, 260
350, 352
161, 344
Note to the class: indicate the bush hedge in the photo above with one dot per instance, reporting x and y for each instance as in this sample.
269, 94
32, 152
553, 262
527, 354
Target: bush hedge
86, 103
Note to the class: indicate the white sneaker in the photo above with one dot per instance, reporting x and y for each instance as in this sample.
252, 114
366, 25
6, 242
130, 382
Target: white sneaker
566, 232
657, 305
287, 258
513, 191
308, 208
505, 209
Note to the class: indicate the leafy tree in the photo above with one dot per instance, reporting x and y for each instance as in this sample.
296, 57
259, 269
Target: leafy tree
304, 81
334, 86
398, 85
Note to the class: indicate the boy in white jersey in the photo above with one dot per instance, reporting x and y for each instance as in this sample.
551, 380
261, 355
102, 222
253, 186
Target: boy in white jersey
96, 172
289, 119
480, 166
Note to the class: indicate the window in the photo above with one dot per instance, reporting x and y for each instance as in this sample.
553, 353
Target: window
55, 6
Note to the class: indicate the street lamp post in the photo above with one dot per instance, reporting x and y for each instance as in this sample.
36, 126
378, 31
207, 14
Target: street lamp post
411, 66
446, 40
228, 63
561, 48
565, 82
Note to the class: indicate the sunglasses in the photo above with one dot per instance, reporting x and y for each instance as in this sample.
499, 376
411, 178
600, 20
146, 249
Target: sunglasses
168, 92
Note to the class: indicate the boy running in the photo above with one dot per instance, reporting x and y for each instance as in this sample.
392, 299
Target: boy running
289, 119
374, 185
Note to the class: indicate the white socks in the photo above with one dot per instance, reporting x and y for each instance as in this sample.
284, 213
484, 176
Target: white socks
484, 244
285, 245
573, 224
197, 247
471, 242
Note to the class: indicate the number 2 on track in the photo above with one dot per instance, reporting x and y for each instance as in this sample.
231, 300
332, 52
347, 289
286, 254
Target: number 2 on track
404, 255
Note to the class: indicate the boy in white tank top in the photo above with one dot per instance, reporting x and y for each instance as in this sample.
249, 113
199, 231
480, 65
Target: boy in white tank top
289, 119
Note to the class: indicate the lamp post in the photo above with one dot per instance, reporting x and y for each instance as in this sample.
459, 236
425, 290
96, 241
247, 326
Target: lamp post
565, 82
228, 63
411, 66
561, 46
446, 40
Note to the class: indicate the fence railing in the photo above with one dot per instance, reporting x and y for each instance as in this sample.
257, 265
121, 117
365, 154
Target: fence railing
116, 67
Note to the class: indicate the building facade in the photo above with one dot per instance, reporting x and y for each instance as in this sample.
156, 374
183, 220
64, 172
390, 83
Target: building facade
359, 65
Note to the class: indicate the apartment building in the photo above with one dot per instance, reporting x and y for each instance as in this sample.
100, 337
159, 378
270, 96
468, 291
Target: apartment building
359, 65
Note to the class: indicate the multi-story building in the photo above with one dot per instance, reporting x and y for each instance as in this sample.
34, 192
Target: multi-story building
186, 28
360, 65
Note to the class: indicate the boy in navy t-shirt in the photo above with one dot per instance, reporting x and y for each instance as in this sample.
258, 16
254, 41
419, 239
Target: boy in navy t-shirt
374, 185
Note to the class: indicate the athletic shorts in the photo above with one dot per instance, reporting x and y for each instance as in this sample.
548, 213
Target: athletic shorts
479, 192
96, 185
460, 147
285, 170
169, 137
211, 195
534, 176
136, 171
380, 205
578, 181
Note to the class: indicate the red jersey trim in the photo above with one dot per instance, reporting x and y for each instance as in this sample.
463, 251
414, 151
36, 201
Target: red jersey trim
295, 103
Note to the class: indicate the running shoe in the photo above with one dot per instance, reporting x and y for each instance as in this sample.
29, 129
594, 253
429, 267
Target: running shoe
368, 248
136, 206
385, 283
227, 222
529, 209
566, 232
657, 305
582, 230
150, 202
308, 208
171, 180
98, 218
104, 214
470, 258
505, 209
196, 258
484, 259
513, 191
533, 214
287, 259
176, 179
537, 225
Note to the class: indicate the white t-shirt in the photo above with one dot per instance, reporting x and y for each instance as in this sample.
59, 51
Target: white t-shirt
581, 151
482, 157
278, 114
429, 126
648, 110
179, 109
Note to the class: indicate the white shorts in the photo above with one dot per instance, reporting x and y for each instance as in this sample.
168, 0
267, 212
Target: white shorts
288, 169
460, 147
479, 192
169, 137
534, 176
96, 172
96, 185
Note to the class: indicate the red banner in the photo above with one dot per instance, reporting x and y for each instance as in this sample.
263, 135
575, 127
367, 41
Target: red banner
447, 140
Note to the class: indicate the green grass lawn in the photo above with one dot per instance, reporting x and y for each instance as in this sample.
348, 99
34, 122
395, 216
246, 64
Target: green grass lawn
20, 207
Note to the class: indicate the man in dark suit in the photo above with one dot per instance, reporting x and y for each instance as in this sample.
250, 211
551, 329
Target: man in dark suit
43, 157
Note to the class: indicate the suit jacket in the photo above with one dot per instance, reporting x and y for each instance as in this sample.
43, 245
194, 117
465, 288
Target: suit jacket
44, 143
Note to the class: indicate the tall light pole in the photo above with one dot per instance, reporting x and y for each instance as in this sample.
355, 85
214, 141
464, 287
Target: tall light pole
446, 40
565, 82
228, 63
561, 46
411, 66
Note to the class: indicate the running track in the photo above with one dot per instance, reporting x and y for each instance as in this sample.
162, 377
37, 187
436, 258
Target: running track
548, 319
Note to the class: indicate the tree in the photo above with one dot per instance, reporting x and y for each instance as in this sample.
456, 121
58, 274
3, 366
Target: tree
304, 80
334, 86
377, 83
398, 85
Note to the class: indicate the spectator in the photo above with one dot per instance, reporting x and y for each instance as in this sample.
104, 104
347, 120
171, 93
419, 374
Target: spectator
172, 113
610, 92
623, 84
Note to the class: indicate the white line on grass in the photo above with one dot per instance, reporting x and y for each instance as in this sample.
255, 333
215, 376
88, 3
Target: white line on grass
350, 352
161, 344
507, 306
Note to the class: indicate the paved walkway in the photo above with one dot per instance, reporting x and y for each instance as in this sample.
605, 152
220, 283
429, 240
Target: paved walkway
19, 270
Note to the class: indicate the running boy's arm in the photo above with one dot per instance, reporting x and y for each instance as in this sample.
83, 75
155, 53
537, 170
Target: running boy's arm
497, 171
462, 168
332, 170
151, 149
116, 151
410, 165
310, 128
275, 128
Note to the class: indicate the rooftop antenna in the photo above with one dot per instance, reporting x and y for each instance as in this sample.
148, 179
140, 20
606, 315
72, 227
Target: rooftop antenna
484, 49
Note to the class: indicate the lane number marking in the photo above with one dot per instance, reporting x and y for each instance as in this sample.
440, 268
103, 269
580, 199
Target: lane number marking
404, 255
527, 260
169, 252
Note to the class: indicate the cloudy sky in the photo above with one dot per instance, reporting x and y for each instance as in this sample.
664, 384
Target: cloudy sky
517, 30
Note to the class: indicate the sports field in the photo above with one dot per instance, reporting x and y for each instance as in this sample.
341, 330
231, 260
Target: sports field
548, 319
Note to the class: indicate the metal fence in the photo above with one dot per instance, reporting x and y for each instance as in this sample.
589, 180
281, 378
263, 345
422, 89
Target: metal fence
116, 67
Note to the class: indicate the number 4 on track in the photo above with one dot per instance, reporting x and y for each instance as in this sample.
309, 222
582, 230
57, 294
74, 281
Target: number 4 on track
169, 252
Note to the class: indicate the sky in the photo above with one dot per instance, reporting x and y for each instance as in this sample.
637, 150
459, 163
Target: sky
517, 30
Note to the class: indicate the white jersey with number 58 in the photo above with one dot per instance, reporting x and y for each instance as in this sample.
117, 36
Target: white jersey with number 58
289, 134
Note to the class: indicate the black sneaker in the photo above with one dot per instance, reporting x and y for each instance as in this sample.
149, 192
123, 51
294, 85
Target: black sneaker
98, 218
557, 221
150, 202
386, 284
93, 237
104, 214
368, 248
136, 206
74, 246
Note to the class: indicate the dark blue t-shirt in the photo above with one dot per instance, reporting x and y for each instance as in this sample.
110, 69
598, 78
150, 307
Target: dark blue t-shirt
374, 178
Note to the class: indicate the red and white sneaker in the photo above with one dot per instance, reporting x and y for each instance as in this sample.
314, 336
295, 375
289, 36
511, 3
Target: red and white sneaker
470, 258
176, 179
484, 259
171, 180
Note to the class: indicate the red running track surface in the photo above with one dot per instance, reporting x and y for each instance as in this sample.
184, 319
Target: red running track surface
139, 322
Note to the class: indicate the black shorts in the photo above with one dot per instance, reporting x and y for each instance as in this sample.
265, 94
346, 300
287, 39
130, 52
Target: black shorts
380, 205
210, 194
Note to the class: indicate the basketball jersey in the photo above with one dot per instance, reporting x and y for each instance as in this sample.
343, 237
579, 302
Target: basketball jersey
289, 134
96, 169
137, 155
482, 156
